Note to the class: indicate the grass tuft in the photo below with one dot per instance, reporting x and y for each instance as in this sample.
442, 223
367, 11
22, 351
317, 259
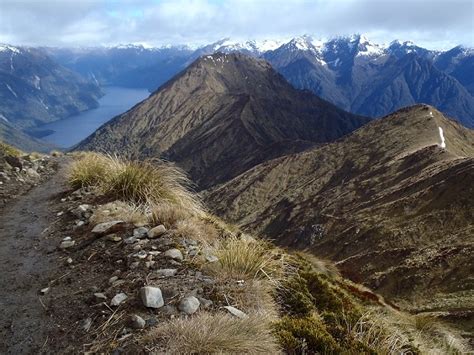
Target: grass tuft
216, 333
89, 169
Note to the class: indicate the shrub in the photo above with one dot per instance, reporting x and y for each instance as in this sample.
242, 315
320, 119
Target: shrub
247, 259
305, 335
207, 333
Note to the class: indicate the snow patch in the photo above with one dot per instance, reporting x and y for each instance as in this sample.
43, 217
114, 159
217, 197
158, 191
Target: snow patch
441, 136
11, 90
6, 47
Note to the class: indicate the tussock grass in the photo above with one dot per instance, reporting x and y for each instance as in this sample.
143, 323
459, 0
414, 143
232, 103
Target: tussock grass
247, 259
56, 153
196, 229
89, 169
169, 215
119, 210
7, 149
147, 183
219, 333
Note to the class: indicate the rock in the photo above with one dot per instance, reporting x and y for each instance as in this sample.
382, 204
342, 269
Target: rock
149, 264
80, 223
44, 290
66, 239
142, 254
174, 254
205, 302
113, 279
109, 227
212, 258
140, 232
166, 272
81, 210
118, 299
151, 297
69, 260
32, 173
100, 296
113, 238
157, 231
130, 240
189, 305
67, 244
152, 322
60, 213
236, 312
137, 322
134, 265
154, 253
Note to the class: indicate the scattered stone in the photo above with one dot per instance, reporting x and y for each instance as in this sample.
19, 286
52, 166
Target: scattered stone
63, 200
67, 244
44, 290
142, 254
151, 297
59, 214
140, 232
154, 253
100, 296
205, 302
189, 305
236, 312
174, 254
118, 299
137, 322
81, 211
166, 272
113, 279
134, 265
151, 322
109, 227
113, 238
66, 239
157, 231
149, 264
212, 258
130, 240
118, 283
80, 223
69, 260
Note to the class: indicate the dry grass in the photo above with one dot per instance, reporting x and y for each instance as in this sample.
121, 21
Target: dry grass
9, 150
119, 210
319, 265
196, 229
216, 333
89, 169
148, 183
169, 215
56, 153
246, 260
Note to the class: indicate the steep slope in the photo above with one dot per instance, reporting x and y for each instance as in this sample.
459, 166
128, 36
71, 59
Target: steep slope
388, 203
21, 140
459, 63
35, 89
223, 115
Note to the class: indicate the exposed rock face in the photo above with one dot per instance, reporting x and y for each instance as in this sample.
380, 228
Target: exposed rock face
387, 202
222, 115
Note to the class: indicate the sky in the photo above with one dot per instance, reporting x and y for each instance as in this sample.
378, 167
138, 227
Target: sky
434, 24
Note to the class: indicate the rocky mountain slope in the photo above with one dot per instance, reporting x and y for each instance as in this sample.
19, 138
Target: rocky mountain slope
20, 139
106, 274
368, 79
223, 115
34, 89
391, 203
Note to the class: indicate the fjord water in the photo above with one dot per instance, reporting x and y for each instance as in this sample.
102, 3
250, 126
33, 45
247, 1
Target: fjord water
72, 130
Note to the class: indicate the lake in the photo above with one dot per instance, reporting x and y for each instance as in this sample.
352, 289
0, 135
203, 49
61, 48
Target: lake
72, 130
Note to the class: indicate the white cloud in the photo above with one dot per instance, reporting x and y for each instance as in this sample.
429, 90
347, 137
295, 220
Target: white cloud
438, 23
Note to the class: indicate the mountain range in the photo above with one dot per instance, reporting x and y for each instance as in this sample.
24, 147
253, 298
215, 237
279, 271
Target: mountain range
351, 72
224, 114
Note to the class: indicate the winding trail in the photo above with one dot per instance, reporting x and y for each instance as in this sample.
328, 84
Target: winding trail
26, 264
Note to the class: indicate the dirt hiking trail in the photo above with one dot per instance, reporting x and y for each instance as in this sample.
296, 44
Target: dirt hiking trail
26, 264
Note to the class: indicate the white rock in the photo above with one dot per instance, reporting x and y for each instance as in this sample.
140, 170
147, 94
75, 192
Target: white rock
212, 258
113, 279
151, 297
157, 231
166, 272
107, 227
118, 299
67, 244
100, 296
140, 232
236, 312
44, 290
189, 305
174, 254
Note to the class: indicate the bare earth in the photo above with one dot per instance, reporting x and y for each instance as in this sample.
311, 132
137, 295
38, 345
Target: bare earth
26, 265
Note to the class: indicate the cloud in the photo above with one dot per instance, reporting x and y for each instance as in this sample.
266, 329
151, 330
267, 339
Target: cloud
434, 23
